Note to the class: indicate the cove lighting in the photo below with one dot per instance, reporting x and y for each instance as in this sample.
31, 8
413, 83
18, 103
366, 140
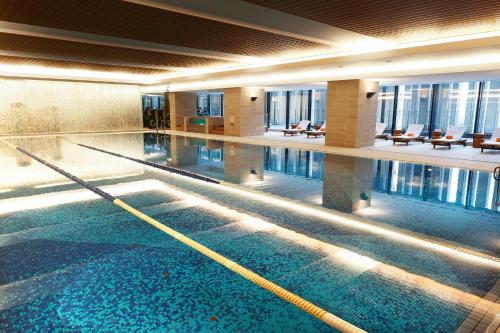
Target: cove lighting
35, 71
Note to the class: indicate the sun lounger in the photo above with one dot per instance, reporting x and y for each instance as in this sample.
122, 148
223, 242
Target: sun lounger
452, 137
301, 128
493, 142
379, 131
412, 134
318, 132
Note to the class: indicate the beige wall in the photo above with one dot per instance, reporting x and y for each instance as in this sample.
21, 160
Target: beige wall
243, 117
40, 106
182, 104
350, 115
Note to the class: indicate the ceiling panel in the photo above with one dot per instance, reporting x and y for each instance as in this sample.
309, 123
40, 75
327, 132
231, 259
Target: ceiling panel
402, 21
128, 20
52, 47
8, 60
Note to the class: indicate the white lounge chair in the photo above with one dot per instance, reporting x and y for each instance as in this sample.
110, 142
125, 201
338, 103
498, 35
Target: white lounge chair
453, 136
318, 132
412, 134
379, 131
301, 128
493, 142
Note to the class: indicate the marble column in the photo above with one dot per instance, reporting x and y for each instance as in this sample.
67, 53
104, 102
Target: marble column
350, 114
243, 116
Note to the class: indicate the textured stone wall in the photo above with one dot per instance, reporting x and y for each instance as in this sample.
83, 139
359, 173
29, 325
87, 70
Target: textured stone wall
41, 106
182, 104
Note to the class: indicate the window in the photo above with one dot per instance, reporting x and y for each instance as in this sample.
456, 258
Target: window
489, 116
414, 105
318, 105
298, 105
385, 105
456, 106
277, 109
210, 104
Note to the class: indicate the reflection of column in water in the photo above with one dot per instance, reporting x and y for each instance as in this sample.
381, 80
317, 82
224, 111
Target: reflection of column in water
182, 152
243, 163
347, 183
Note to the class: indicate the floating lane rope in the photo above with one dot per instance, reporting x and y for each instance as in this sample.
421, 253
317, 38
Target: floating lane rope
157, 166
420, 238
323, 315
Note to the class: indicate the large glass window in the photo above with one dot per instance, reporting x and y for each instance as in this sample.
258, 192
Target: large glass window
210, 104
456, 105
153, 107
298, 105
414, 105
385, 105
277, 109
318, 105
490, 107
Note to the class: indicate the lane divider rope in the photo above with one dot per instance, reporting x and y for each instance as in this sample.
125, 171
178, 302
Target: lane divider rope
308, 307
459, 249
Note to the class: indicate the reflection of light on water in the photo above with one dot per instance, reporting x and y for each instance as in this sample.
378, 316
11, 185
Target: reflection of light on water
371, 211
316, 199
349, 222
343, 256
5, 190
88, 180
355, 260
60, 198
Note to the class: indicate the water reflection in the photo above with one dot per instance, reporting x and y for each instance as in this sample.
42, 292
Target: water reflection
348, 182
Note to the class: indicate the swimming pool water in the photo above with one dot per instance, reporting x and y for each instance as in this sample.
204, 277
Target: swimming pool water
87, 266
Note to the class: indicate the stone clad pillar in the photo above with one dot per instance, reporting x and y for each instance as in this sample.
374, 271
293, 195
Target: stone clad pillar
242, 116
350, 114
182, 104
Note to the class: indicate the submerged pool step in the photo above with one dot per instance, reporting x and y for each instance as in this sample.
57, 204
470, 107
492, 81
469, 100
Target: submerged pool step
71, 230
36, 218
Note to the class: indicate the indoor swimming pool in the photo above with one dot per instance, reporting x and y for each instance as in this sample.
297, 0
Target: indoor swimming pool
387, 246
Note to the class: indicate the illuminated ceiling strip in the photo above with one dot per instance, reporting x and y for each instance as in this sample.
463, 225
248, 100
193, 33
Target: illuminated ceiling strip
72, 74
340, 255
81, 37
93, 61
252, 16
328, 73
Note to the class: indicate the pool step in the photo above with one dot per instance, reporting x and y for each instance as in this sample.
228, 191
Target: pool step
24, 220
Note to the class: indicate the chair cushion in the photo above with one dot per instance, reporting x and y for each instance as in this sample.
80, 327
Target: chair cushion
409, 134
449, 137
497, 139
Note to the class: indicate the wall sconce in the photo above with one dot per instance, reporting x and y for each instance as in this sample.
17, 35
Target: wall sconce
370, 94
253, 98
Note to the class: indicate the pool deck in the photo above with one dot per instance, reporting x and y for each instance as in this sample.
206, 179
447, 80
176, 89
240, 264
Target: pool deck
457, 156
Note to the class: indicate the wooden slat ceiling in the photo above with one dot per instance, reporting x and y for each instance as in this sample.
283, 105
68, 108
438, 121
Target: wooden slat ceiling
78, 65
128, 20
401, 21
54, 47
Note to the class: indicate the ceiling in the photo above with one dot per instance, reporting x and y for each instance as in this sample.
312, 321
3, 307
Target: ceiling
152, 41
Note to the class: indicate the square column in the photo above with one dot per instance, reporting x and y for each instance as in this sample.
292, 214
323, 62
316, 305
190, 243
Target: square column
182, 104
350, 114
242, 116
243, 164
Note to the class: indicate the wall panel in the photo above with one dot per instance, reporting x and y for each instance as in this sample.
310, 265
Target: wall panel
40, 106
